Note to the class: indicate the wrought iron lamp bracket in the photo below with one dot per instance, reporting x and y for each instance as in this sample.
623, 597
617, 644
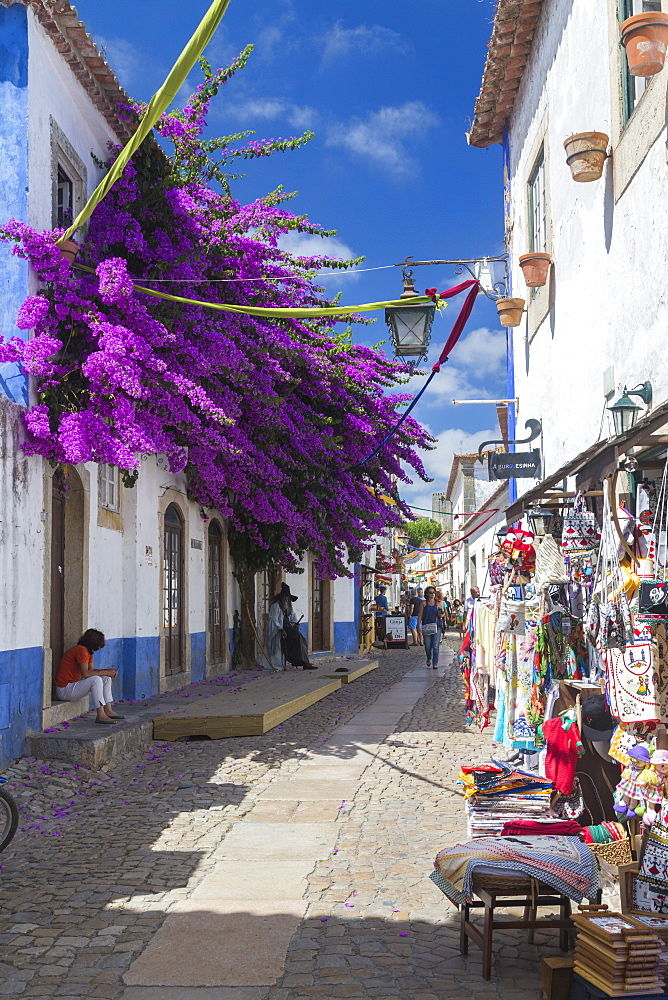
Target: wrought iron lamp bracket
533, 426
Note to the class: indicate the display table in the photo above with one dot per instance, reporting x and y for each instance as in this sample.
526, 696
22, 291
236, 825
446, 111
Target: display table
498, 891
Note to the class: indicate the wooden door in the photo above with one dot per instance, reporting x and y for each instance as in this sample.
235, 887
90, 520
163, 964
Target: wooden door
320, 616
57, 638
216, 624
173, 591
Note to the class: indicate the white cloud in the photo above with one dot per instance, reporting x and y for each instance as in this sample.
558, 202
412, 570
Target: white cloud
308, 245
381, 137
123, 57
484, 351
270, 108
340, 41
437, 463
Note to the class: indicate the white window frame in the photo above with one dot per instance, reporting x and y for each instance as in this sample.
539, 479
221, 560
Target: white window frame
537, 205
65, 186
108, 484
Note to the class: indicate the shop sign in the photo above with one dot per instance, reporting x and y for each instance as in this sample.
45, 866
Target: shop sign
514, 464
395, 628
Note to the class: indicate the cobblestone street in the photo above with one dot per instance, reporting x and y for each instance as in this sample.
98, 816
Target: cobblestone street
281, 867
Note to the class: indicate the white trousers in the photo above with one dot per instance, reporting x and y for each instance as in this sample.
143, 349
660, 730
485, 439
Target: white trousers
99, 688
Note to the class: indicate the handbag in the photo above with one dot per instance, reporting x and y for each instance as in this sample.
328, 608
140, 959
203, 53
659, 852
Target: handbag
581, 533
549, 563
570, 806
636, 688
430, 629
512, 616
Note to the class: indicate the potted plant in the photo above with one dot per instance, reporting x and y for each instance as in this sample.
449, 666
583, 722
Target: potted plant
69, 249
585, 155
535, 268
645, 38
510, 311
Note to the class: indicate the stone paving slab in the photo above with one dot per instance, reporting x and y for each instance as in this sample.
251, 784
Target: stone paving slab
277, 842
72, 921
219, 943
255, 880
194, 993
309, 789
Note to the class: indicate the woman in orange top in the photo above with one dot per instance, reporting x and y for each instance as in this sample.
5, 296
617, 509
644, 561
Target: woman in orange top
77, 677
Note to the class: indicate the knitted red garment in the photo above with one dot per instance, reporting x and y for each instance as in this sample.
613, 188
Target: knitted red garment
562, 754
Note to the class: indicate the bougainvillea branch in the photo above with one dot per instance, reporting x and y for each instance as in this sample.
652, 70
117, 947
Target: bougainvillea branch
265, 416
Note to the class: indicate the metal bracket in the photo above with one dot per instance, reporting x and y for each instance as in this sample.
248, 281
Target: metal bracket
533, 426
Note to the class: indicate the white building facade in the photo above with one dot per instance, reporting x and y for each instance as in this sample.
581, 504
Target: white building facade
554, 69
139, 564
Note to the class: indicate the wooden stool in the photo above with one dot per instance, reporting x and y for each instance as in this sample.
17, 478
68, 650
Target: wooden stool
495, 891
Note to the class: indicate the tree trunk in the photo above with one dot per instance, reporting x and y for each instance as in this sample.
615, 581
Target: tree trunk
245, 658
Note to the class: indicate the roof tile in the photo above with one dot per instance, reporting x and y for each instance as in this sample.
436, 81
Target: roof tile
60, 21
508, 50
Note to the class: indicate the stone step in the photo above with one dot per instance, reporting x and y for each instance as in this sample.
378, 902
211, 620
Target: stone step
274, 697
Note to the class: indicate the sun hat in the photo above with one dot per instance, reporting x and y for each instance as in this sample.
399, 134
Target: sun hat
640, 753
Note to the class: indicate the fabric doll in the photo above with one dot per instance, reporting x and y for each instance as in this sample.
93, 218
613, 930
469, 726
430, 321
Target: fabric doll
629, 800
654, 785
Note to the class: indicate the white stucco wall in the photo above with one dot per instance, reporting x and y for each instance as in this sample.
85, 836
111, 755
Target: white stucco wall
22, 532
607, 304
55, 92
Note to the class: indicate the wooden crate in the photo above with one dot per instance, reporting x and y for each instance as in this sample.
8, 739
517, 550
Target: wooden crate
556, 977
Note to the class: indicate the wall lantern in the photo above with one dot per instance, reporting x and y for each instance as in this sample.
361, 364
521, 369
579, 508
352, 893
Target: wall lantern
410, 325
540, 519
625, 412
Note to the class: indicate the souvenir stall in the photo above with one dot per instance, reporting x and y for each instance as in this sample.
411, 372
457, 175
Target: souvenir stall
566, 658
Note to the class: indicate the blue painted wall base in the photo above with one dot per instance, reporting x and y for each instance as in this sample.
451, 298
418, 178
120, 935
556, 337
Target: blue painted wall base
21, 672
346, 638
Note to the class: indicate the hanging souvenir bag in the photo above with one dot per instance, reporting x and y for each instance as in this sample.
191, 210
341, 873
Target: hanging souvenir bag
496, 572
593, 620
570, 806
581, 533
549, 563
635, 685
512, 615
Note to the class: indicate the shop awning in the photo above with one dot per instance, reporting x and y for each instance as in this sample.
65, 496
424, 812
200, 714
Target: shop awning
600, 460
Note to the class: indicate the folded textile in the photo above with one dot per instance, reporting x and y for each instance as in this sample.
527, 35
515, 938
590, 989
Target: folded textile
534, 827
564, 863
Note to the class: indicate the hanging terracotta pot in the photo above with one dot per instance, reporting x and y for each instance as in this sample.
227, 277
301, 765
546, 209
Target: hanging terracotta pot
510, 311
585, 155
645, 38
535, 267
69, 250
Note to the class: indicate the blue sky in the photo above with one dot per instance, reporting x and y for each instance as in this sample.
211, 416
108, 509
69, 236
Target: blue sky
389, 90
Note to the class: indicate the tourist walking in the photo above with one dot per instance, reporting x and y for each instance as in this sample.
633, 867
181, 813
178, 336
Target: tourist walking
430, 616
414, 606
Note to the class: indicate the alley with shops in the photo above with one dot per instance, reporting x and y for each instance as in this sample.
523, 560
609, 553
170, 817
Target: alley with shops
280, 867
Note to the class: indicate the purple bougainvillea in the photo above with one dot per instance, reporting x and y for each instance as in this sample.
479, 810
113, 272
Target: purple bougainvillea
268, 418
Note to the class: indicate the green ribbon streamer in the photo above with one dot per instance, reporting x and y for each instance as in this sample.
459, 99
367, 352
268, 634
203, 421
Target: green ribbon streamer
279, 312
157, 107
287, 313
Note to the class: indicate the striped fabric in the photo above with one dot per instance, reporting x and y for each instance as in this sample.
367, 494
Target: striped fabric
563, 863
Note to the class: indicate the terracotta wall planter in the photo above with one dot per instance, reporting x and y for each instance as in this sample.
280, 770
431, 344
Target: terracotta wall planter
69, 250
535, 267
585, 155
510, 311
645, 38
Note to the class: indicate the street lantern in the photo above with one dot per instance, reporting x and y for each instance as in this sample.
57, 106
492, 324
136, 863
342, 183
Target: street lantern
540, 519
625, 412
410, 325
